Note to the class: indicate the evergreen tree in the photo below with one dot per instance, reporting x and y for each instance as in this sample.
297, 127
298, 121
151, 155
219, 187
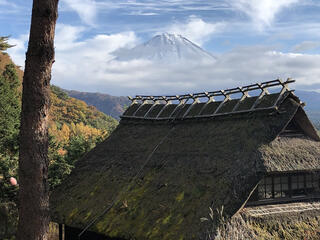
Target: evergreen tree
9, 110
59, 167
8, 168
4, 45
9, 131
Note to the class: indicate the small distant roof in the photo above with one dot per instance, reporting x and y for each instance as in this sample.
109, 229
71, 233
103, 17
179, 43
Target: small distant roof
160, 171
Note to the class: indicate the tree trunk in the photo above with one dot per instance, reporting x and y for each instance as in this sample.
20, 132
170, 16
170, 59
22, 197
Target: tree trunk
33, 158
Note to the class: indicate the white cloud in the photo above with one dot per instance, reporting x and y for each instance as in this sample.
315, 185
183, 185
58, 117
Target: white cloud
86, 9
262, 12
141, 13
17, 52
67, 36
163, 6
85, 65
306, 46
195, 29
7, 3
79, 63
262, 64
238, 67
4, 2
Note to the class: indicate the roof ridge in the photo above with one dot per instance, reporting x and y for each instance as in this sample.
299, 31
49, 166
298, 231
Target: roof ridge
190, 106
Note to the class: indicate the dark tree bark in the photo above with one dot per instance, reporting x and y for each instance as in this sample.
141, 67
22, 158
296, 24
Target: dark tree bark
33, 159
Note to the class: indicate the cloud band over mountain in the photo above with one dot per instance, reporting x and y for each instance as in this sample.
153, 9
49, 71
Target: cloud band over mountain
87, 66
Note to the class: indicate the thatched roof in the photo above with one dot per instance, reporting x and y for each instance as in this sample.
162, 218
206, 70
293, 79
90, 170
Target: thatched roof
299, 220
184, 167
291, 221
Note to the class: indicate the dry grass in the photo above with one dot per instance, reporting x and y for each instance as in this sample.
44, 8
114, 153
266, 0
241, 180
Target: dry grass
304, 226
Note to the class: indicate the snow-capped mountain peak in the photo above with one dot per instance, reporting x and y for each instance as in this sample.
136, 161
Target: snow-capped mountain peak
165, 48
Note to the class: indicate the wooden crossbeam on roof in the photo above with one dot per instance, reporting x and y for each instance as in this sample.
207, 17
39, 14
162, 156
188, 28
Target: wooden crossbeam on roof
245, 94
142, 100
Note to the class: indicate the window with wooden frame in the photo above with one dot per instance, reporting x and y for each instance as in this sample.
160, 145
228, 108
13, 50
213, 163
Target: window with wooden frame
281, 186
287, 185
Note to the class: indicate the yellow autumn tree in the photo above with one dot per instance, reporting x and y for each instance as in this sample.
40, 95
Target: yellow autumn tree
80, 129
61, 135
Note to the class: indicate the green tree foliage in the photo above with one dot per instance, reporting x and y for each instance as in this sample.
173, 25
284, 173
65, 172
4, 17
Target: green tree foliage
10, 108
75, 128
70, 110
8, 168
9, 130
78, 145
59, 93
59, 167
4, 45
63, 155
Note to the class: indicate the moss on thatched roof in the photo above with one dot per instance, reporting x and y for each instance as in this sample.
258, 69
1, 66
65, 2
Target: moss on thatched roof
185, 166
280, 221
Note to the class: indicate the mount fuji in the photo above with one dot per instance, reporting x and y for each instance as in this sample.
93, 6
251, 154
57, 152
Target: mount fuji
165, 48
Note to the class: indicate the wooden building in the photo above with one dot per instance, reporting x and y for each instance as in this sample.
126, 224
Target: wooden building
173, 157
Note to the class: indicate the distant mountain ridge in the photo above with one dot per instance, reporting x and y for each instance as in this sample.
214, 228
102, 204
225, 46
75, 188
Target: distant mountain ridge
312, 100
165, 48
110, 105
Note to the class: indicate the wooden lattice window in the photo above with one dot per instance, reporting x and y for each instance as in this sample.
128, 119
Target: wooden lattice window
298, 185
281, 186
287, 185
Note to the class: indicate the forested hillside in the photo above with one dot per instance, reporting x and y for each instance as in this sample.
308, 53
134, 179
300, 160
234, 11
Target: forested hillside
74, 126
111, 105
74, 129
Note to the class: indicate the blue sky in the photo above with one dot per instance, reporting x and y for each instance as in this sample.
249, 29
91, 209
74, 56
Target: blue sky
253, 40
